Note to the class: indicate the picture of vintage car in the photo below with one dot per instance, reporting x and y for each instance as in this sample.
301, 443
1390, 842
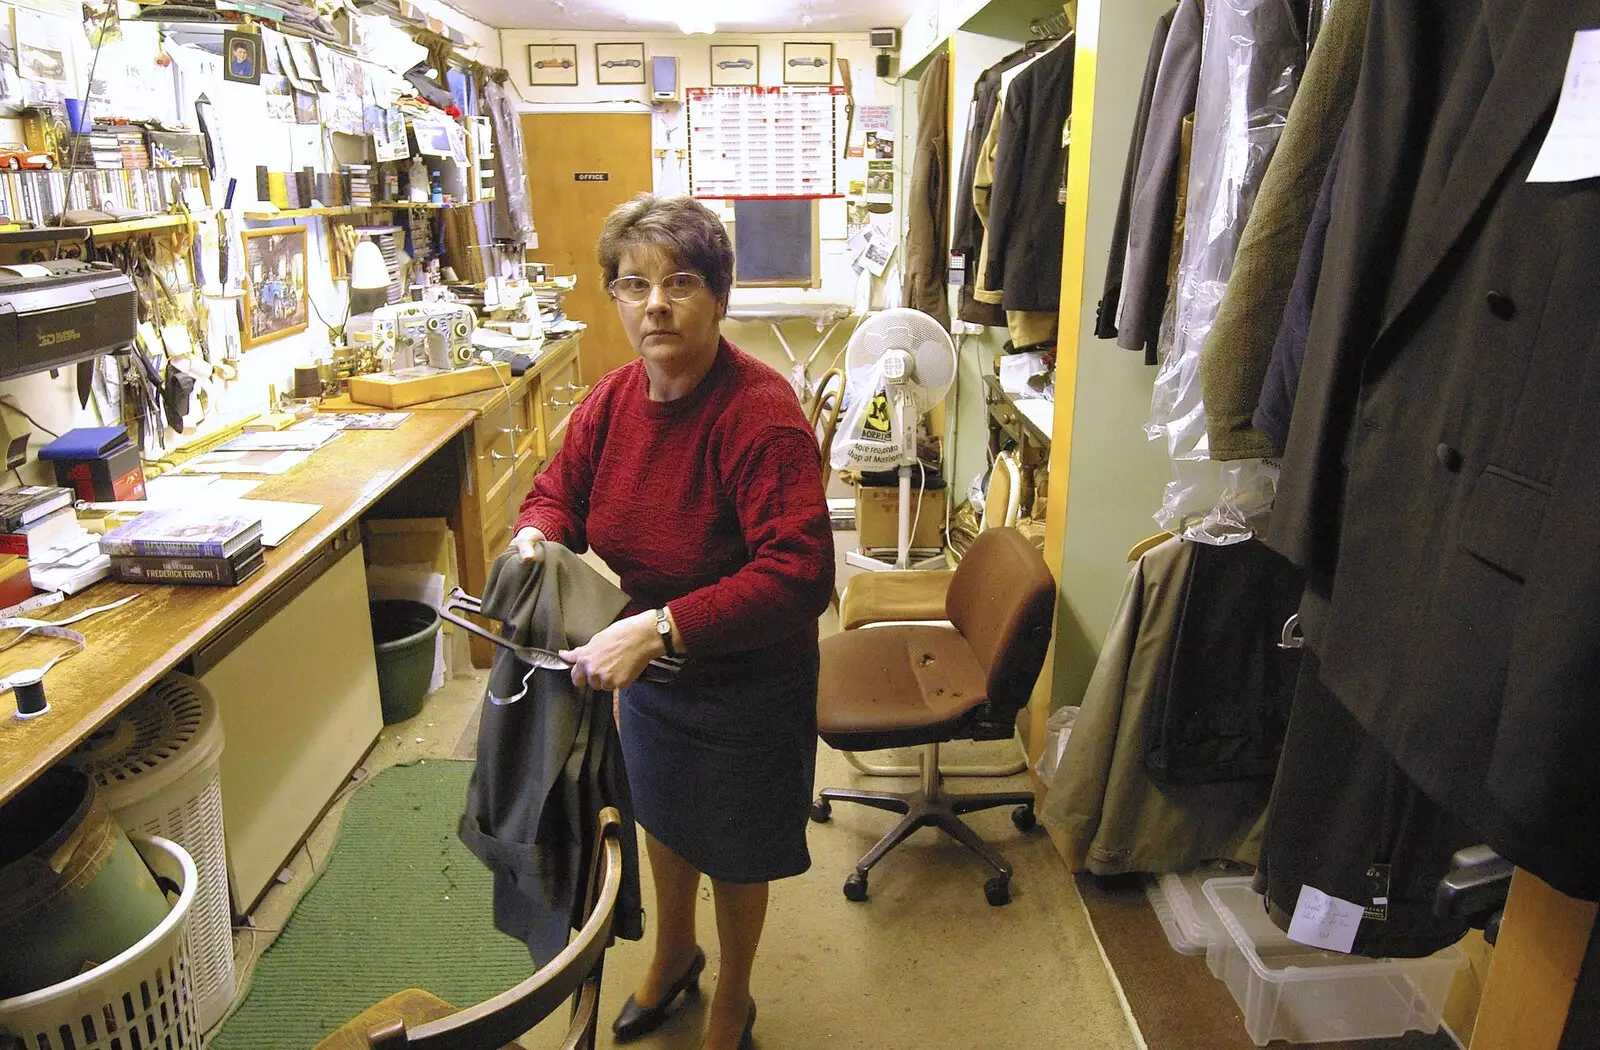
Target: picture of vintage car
622, 63
553, 63
817, 62
735, 63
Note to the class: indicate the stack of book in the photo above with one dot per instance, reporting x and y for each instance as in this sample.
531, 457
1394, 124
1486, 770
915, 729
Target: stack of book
100, 148
135, 154
360, 185
34, 517
186, 545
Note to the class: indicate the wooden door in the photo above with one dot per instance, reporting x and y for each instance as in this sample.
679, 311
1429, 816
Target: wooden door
569, 211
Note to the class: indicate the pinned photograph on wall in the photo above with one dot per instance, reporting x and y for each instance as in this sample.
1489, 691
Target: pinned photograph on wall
880, 181
735, 65
553, 65
241, 57
100, 22
280, 98
880, 145
275, 305
619, 63
389, 137
433, 136
304, 56
305, 108
44, 46
808, 63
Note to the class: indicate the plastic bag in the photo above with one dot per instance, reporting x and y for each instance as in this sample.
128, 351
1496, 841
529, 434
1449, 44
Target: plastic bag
866, 439
1254, 51
1057, 731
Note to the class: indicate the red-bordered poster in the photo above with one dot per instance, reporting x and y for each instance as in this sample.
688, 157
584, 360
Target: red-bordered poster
765, 143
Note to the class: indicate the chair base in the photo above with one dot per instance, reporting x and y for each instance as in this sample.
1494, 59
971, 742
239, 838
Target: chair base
930, 807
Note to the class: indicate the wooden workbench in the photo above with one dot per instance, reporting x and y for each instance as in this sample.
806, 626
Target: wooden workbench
131, 647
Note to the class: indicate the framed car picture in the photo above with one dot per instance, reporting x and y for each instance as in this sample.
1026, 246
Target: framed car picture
275, 303
808, 64
553, 65
735, 65
619, 63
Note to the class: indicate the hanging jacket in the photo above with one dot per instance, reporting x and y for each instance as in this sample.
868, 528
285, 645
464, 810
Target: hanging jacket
550, 761
927, 238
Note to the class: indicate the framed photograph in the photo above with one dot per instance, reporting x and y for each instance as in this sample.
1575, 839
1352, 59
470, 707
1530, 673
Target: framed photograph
275, 302
242, 58
619, 63
305, 108
735, 65
553, 65
808, 64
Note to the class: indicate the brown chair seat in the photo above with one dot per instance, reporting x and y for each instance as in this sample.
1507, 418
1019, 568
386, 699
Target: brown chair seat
414, 1006
896, 686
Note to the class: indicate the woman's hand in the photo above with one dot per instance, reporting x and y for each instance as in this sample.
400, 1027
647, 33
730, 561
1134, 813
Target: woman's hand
526, 543
616, 657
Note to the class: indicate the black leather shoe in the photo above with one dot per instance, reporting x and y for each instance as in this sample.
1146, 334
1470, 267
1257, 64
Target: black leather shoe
747, 1041
634, 1020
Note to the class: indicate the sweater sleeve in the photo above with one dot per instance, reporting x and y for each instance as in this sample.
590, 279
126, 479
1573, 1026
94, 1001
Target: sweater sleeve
789, 578
558, 503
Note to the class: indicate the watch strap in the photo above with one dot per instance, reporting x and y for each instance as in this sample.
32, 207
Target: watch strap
664, 629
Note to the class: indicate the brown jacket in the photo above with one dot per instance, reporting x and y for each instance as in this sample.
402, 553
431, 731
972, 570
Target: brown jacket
927, 274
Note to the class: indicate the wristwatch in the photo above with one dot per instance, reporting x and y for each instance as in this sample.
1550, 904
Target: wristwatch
664, 629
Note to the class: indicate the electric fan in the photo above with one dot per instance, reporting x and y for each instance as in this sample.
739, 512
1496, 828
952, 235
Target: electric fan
899, 363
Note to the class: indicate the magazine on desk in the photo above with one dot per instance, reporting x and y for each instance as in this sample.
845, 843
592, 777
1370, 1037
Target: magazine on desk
184, 532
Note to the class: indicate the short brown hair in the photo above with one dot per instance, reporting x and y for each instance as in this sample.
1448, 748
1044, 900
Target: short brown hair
686, 230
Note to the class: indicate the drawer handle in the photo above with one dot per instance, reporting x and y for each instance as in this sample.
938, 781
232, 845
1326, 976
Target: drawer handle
512, 430
572, 388
497, 456
562, 404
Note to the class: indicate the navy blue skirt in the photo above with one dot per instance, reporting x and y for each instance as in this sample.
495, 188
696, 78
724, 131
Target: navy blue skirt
722, 774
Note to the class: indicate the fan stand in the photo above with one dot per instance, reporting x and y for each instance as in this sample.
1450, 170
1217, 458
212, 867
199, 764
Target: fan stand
903, 550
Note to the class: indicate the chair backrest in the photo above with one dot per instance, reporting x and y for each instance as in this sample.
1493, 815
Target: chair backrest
832, 381
1002, 599
1002, 500
574, 974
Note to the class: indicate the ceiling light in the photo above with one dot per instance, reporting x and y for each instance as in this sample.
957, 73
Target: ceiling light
694, 23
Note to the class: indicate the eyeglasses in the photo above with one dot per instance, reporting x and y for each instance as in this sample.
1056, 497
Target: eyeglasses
678, 286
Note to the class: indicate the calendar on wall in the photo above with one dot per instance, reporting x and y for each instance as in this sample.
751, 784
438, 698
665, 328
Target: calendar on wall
764, 142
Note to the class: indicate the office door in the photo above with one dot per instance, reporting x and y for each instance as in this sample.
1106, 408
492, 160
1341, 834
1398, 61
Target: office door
580, 166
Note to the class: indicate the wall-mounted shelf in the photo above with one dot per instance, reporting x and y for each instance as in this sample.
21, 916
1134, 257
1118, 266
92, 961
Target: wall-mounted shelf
136, 226
304, 213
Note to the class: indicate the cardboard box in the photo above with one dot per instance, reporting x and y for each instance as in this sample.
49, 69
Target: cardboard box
878, 518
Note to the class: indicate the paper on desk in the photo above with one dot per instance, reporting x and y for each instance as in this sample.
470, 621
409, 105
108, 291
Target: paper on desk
1325, 922
1571, 149
278, 518
1015, 370
246, 462
173, 489
294, 439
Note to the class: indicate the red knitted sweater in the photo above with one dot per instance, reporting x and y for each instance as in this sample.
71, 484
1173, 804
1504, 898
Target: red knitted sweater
712, 503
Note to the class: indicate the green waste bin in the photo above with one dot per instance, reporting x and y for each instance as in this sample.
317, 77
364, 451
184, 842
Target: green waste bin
403, 633
73, 891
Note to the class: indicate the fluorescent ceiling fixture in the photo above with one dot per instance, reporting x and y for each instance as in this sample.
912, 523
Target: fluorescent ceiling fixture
692, 24
699, 16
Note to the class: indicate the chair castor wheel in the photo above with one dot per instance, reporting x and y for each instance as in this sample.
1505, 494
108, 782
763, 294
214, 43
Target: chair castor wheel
821, 811
855, 888
997, 890
1024, 819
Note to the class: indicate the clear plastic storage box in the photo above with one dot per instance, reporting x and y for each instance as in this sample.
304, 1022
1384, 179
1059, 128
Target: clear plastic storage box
1186, 916
1290, 991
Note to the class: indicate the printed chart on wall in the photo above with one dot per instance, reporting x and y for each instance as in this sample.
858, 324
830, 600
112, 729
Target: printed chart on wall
756, 142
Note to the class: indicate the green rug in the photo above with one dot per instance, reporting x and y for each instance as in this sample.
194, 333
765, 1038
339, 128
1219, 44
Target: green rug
399, 904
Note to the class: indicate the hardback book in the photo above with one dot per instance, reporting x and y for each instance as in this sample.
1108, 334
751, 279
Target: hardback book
216, 572
183, 532
22, 506
40, 535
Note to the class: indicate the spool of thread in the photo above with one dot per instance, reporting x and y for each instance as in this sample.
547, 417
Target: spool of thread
29, 689
307, 382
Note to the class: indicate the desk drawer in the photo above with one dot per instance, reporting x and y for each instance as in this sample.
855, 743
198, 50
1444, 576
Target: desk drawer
499, 419
560, 388
492, 463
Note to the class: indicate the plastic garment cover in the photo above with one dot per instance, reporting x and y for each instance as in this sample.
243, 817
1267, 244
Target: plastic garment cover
1252, 57
511, 187
866, 438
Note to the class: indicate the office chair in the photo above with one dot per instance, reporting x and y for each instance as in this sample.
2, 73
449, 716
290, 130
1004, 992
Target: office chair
874, 598
417, 1018
919, 685
825, 412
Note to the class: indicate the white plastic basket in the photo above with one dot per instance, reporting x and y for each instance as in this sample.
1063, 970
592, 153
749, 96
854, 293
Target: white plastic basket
157, 764
140, 1000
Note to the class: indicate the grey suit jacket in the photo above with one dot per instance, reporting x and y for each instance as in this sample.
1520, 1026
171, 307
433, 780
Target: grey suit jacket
1155, 189
1443, 465
550, 761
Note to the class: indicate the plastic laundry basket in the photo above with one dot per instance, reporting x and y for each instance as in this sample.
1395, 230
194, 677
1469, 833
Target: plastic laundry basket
157, 764
402, 635
141, 998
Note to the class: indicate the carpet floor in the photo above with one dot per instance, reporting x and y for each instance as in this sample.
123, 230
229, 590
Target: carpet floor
1175, 1000
400, 903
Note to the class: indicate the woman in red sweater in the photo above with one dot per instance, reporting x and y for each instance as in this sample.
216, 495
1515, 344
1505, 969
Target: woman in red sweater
693, 473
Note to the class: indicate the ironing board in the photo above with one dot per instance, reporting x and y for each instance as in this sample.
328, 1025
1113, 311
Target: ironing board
777, 305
